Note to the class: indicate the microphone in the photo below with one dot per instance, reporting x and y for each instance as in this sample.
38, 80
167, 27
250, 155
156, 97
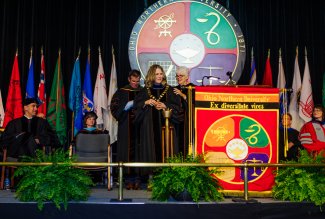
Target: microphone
231, 82
210, 77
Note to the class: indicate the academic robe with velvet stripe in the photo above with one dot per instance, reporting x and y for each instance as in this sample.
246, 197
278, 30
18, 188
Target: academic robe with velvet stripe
182, 129
151, 121
293, 152
19, 137
128, 134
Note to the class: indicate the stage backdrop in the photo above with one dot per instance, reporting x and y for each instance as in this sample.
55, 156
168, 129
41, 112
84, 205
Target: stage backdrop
235, 125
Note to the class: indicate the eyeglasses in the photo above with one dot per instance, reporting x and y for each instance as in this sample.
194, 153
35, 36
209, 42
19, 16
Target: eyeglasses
179, 76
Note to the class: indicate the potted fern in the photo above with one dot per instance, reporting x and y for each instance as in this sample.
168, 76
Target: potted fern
301, 183
196, 182
56, 183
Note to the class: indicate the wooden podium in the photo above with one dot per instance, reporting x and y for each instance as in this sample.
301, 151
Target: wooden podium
238, 124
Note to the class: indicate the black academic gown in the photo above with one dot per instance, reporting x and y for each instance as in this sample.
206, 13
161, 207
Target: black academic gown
128, 134
19, 137
293, 152
182, 128
151, 121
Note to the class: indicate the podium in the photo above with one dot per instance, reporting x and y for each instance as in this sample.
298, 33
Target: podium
238, 124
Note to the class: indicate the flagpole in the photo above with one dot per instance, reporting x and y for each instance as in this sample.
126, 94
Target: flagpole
284, 101
57, 84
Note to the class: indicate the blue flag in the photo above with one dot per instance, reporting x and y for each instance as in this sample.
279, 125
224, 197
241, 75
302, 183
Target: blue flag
87, 92
30, 87
75, 97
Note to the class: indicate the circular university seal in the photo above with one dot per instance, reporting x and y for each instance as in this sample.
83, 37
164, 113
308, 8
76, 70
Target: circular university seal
203, 36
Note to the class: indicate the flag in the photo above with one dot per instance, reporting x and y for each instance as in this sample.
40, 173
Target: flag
14, 105
295, 95
41, 88
87, 92
281, 84
2, 112
30, 87
306, 103
75, 97
112, 123
100, 95
56, 113
267, 78
252, 76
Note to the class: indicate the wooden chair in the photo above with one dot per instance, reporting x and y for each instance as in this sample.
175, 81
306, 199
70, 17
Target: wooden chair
93, 148
3, 170
12, 169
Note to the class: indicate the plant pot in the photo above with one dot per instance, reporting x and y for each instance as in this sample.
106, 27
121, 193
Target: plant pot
183, 196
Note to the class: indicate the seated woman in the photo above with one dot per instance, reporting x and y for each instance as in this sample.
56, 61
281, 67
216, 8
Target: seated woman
90, 124
90, 128
312, 134
294, 145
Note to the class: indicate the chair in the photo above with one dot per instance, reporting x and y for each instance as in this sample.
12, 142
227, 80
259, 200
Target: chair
93, 148
3, 171
12, 168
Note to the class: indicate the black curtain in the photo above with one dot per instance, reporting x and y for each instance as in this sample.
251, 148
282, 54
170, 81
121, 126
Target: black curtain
72, 24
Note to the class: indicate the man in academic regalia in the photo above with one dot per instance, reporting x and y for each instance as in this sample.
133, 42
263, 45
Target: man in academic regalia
24, 135
122, 110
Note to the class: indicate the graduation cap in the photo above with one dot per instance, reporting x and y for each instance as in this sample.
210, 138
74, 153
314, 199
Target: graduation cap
28, 101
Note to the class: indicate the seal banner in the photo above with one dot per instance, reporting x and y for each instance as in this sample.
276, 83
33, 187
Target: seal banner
201, 35
238, 125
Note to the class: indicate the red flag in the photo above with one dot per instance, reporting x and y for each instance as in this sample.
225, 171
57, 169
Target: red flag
267, 79
14, 106
41, 89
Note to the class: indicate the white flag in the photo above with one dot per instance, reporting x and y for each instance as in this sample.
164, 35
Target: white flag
281, 84
281, 77
2, 112
100, 95
306, 103
112, 123
297, 122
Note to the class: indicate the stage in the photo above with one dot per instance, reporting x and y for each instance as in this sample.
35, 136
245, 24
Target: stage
137, 204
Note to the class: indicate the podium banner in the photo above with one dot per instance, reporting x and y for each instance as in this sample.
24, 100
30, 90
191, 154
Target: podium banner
238, 125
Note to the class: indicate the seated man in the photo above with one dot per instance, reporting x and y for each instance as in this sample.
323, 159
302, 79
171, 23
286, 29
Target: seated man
22, 136
294, 144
